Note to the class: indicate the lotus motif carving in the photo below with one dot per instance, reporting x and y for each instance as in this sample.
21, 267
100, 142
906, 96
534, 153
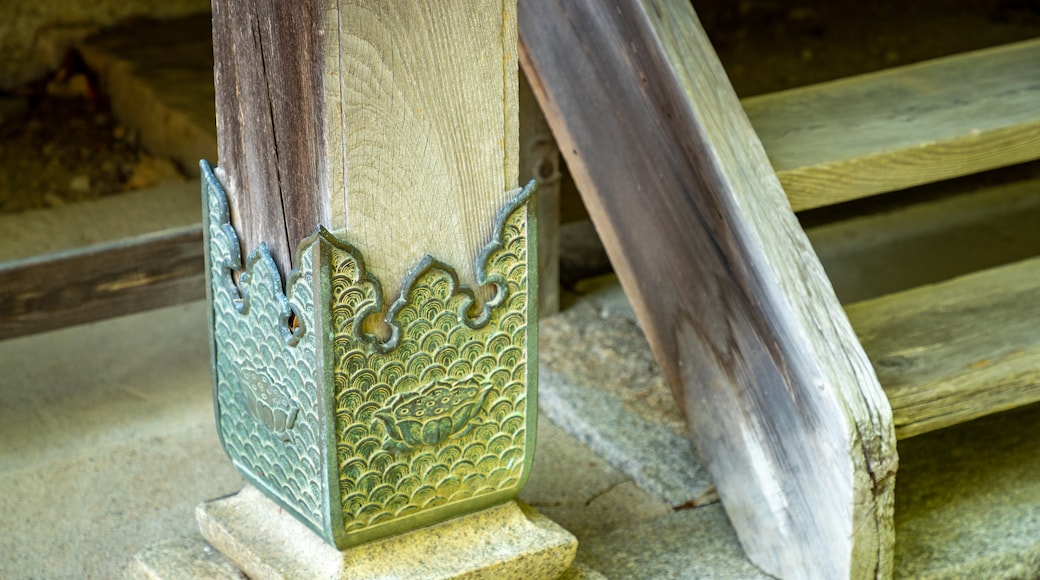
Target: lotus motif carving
270, 408
432, 414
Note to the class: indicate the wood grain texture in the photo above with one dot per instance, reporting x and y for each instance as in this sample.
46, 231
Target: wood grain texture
391, 123
780, 398
422, 128
540, 160
902, 127
97, 282
869, 256
268, 71
954, 351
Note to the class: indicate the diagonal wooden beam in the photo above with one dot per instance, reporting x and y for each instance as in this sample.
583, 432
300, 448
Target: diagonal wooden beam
780, 398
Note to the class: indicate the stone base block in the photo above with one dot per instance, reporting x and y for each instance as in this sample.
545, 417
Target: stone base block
506, 541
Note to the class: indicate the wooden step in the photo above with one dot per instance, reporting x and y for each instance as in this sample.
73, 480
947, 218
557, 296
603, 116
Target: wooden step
950, 352
902, 127
969, 229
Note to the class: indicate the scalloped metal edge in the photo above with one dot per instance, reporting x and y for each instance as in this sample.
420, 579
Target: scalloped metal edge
331, 528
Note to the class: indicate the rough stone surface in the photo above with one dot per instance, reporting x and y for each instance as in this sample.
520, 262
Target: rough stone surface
192, 558
115, 436
108, 427
579, 571
968, 500
187, 558
694, 543
569, 484
107, 442
580, 491
598, 380
506, 541
607, 295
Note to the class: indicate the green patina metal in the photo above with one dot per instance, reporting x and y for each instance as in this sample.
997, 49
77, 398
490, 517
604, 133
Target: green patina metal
359, 437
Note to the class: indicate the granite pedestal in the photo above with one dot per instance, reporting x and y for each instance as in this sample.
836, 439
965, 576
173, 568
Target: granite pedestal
505, 541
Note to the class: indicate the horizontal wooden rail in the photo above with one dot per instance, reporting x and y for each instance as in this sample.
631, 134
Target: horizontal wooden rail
902, 127
101, 281
950, 352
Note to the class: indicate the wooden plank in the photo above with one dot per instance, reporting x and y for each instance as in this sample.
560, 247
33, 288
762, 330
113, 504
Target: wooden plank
869, 256
392, 123
954, 351
540, 160
97, 282
780, 398
902, 127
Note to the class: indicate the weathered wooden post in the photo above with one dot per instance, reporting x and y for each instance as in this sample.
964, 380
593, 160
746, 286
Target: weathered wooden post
780, 397
369, 158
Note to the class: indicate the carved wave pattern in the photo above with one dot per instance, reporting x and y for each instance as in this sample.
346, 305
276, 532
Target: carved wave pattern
469, 369
267, 378
379, 482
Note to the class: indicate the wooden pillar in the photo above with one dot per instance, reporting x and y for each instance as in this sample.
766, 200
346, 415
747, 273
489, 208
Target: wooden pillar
395, 122
268, 63
369, 158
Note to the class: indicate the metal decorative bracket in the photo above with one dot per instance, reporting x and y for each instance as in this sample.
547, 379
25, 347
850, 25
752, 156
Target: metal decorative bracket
361, 438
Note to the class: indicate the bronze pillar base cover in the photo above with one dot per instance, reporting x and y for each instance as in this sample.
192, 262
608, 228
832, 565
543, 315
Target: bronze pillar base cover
359, 437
